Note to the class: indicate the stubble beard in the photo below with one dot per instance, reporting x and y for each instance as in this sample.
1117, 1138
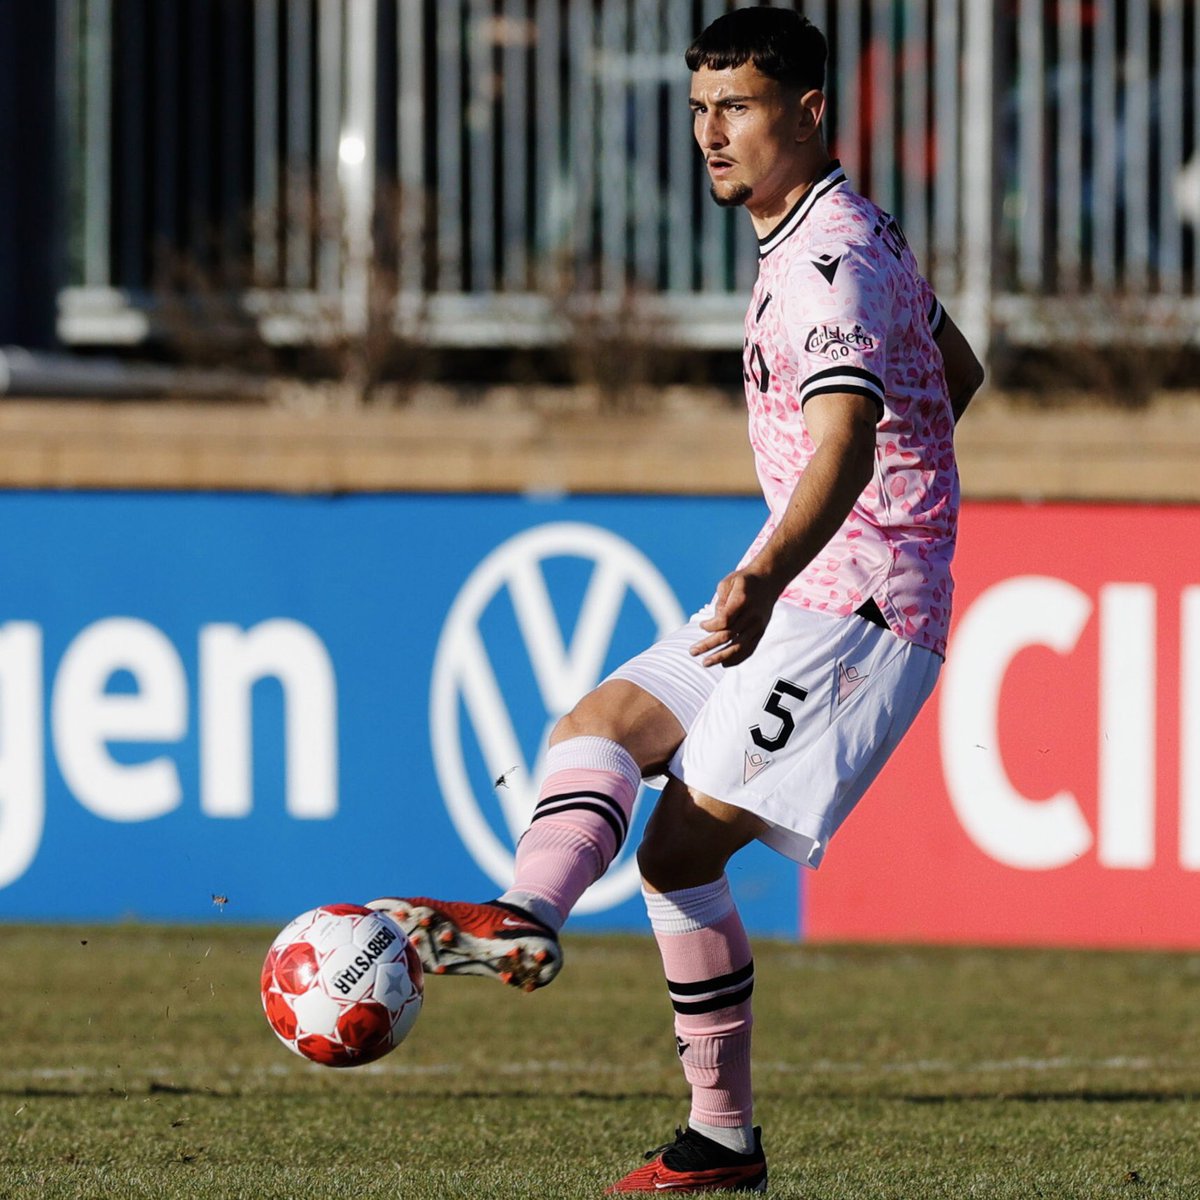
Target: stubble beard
737, 194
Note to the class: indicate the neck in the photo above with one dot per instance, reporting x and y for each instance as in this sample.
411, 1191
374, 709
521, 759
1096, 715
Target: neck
766, 217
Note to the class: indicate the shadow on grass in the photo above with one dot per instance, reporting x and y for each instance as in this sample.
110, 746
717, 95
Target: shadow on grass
501, 1097
1064, 1097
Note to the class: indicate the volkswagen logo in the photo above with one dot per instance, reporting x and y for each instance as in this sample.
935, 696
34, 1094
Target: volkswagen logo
476, 744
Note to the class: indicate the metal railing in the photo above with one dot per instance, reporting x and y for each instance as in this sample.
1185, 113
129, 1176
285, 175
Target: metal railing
487, 171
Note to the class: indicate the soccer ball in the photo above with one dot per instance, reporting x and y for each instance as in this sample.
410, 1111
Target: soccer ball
342, 985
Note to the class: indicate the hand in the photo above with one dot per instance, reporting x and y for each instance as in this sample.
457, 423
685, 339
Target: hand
744, 604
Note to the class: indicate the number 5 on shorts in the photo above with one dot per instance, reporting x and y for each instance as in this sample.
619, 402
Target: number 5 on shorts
775, 706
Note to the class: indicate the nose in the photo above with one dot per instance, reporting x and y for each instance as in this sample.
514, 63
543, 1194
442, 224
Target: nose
710, 132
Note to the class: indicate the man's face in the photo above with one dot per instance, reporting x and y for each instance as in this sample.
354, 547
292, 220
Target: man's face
748, 127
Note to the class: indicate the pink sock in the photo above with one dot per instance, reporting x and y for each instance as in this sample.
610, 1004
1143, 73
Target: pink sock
710, 976
580, 822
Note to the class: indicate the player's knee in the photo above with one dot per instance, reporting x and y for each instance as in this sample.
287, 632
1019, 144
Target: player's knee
658, 864
623, 713
668, 864
581, 722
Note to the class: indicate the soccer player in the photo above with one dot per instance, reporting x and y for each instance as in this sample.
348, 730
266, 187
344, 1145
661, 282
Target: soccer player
775, 707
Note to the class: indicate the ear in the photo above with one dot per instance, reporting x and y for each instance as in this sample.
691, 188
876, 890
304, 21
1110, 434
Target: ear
810, 111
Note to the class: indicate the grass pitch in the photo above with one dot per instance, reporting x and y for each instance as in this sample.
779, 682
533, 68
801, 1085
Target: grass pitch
135, 1062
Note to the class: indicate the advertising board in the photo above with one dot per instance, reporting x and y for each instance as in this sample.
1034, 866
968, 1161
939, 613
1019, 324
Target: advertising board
236, 706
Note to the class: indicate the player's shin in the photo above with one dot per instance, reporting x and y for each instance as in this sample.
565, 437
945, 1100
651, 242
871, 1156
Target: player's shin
578, 826
710, 978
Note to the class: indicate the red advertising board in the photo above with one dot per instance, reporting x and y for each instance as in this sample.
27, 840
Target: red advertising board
1050, 791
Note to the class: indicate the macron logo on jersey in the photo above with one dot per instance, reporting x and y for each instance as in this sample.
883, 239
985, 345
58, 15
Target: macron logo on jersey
828, 266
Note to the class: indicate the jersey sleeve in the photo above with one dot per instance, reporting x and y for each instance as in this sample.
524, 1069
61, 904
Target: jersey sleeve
838, 322
935, 314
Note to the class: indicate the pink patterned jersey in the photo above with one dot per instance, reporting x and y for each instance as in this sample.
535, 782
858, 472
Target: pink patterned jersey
839, 306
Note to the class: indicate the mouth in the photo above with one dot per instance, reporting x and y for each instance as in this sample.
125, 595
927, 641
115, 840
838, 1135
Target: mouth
719, 166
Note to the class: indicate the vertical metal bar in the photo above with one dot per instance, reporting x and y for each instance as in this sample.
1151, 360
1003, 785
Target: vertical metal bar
1031, 140
168, 171
552, 193
330, 100
849, 92
1135, 167
1171, 102
514, 173
818, 13
1069, 200
646, 137
266, 145
614, 28
682, 156
481, 134
1105, 147
233, 112
130, 211
978, 174
1195, 97
914, 77
882, 116
356, 154
68, 84
198, 105
97, 137
301, 203
410, 157
584, 85
947, 104
449, 197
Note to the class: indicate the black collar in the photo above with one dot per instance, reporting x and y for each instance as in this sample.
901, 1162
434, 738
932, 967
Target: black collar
825, 183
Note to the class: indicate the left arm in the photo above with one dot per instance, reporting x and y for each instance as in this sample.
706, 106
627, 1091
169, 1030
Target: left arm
963, 371
842, 427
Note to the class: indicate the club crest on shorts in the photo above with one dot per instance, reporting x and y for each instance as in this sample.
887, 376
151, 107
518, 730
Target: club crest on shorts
755, 762
849, 680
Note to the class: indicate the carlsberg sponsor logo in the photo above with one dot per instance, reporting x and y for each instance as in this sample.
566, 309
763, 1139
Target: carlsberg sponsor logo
346, 978
835, 341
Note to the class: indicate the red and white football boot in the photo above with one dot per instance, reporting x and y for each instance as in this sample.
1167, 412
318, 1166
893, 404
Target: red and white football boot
455, 937
694, 1163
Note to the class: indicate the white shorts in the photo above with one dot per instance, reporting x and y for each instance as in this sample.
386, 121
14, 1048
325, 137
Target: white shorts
798, 732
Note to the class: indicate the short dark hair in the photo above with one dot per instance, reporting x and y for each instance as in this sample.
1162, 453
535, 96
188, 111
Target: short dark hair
779, 42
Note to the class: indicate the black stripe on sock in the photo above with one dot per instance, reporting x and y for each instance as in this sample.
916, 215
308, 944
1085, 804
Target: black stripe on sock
702, 986
614, 807
598, 809
713, 1003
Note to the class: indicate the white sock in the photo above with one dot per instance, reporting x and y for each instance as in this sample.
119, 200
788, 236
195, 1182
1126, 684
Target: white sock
535, 906
735, 1137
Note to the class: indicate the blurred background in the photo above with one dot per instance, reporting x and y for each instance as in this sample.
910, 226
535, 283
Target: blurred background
382, 191
370, 383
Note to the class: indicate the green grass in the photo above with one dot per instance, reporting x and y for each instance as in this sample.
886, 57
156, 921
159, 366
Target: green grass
135, 1062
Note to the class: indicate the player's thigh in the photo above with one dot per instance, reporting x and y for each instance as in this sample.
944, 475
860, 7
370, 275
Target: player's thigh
625, 713
650, 702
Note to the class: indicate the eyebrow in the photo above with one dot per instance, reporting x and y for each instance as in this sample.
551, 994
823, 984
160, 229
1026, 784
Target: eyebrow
693, 102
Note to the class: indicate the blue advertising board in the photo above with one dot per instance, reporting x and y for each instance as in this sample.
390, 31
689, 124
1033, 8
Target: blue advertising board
235, 707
